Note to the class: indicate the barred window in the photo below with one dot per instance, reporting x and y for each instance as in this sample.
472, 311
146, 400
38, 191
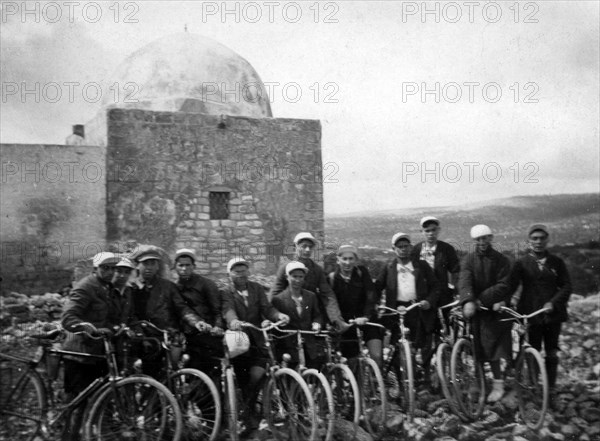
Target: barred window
219, 204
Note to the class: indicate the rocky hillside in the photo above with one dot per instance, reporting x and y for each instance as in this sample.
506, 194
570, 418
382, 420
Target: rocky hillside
575, 416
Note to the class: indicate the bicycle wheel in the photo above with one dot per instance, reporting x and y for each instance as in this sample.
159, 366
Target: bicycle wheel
288, 407
231, 404
134, 408
22, 402
200, 404
406, 379
467, 380
443, 357
323, 398
373, 399
532, 387
346, 394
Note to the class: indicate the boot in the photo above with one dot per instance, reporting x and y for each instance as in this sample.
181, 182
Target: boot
497, 391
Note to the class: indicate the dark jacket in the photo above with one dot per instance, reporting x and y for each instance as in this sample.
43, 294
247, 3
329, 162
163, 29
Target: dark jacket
311, 313
259, 309
203, 297
357, 297
485, 277
89, 301
551, 284
427, 288
120, 305
158, 301
315, 282
446, 267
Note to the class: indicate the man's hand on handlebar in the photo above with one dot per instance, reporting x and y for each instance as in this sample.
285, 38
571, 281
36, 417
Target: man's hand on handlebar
284, 318
361, 321
235, 325
87, 328
342, 326
425, 305
202, 326
316, 327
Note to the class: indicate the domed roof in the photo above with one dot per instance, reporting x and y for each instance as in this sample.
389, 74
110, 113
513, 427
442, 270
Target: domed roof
190, 73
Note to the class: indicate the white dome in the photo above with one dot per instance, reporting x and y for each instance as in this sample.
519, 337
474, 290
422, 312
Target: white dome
190, 73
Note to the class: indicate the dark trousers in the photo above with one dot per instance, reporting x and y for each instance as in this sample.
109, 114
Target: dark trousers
548, 333
78, 376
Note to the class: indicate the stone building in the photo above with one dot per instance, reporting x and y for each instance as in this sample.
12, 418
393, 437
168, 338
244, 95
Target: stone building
191, 157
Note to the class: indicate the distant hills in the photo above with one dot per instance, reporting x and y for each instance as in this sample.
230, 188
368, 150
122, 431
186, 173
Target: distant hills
572, 218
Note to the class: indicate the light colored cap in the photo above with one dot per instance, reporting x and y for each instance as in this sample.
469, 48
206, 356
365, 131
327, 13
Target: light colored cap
186, 252
347, 249
304, 236
237, 261
396, 237
429, 219
293, 266
105, 258
480, 230
538, 227
125, 262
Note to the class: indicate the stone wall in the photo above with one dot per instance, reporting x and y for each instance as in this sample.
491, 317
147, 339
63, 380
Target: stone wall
53, 203
162, 167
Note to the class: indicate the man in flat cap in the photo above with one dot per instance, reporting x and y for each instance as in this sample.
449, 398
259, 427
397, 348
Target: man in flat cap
158, 301
202, 296
440, 256
88, 309
315, 280
545, 284
246, 301
407, 281
120, 295
302, 306
485, 280
355, 292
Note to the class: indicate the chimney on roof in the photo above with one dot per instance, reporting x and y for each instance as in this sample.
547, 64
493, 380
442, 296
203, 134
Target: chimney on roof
78, 135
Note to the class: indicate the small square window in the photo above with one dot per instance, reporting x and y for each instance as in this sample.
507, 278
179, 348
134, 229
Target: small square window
219, 204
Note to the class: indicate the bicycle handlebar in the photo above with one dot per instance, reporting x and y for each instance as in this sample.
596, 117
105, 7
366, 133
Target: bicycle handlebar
353, 323
266, 328
297, 331
450, 305
518, 316
401, 310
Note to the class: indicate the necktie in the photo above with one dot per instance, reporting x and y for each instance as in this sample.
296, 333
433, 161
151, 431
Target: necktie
244, 297
298, 302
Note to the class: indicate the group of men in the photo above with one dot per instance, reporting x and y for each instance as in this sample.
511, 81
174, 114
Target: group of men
303, 296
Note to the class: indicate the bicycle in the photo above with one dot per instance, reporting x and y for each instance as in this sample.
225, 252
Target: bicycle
530, 372
401, 360
140, 407
346, 394
371, 386
288, 405
467, 376
317, 383
443, 354
196, 393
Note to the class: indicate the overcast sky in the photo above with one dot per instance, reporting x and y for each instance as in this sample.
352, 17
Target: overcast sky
516, 113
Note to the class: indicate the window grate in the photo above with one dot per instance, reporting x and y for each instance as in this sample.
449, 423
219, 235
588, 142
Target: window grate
219, 204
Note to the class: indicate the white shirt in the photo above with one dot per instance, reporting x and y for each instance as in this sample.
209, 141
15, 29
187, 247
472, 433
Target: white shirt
407, 289
428, 253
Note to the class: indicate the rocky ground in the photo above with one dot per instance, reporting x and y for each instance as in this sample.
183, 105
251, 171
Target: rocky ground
575, 413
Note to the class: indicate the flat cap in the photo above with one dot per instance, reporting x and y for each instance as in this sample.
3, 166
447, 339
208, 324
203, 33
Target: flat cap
429, 219
396, 237
186, 252
538, 227
237, 261
304, 236
293, 266
480, 230
105, 258
347, 249
125, 262
148, 255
